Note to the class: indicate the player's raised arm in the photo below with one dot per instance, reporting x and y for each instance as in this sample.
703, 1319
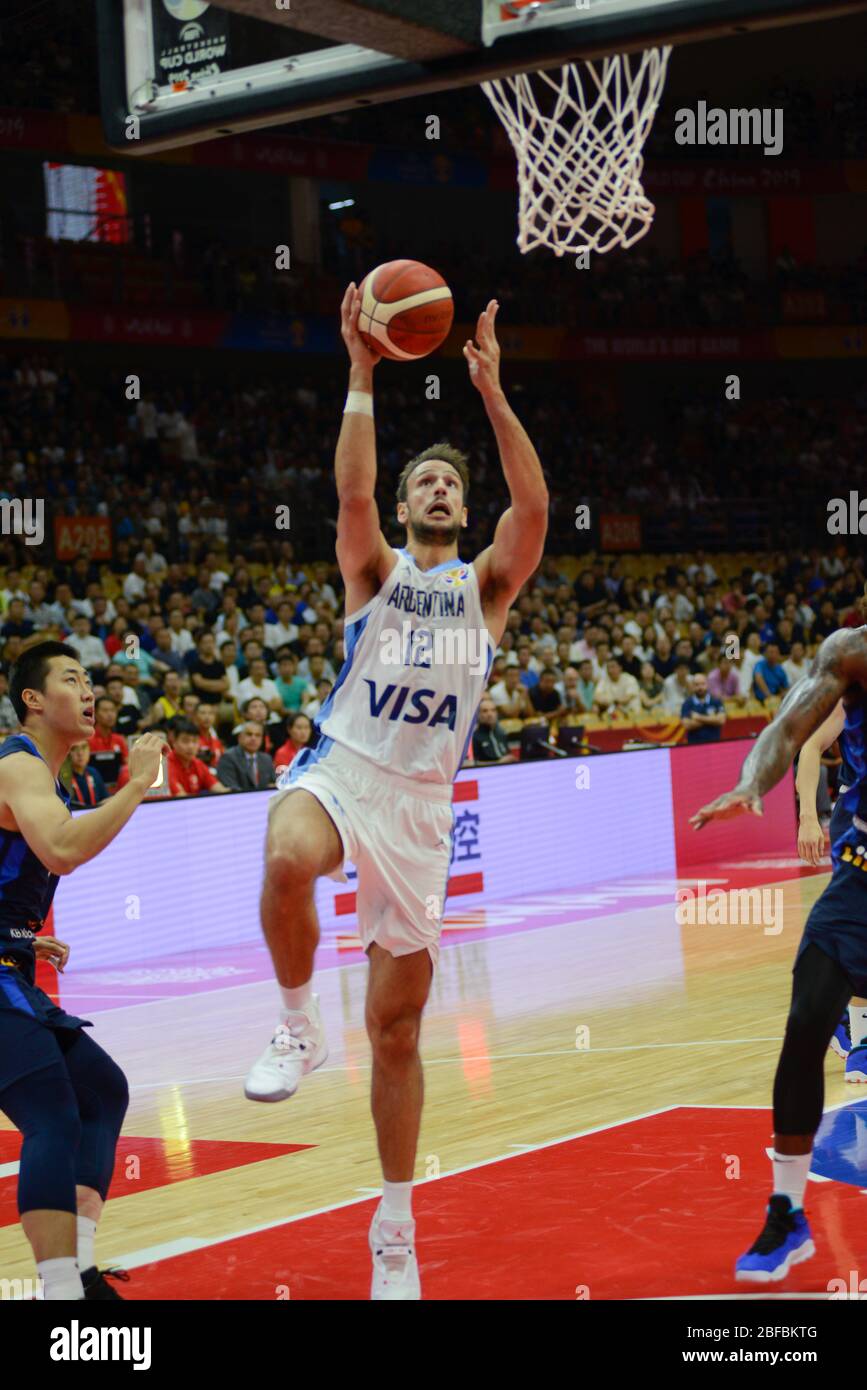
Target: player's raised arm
520, 535
840, 665
361, 546
60, 841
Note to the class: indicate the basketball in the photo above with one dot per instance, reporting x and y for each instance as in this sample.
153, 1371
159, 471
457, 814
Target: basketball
406, 310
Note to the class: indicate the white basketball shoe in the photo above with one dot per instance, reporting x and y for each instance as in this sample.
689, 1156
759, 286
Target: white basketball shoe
395, 1267
298, 1046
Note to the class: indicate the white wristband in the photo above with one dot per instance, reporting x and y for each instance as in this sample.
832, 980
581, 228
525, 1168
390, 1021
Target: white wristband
359, 403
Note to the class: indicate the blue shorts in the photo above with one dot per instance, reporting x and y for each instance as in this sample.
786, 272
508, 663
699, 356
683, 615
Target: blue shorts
838, 922
28, 1021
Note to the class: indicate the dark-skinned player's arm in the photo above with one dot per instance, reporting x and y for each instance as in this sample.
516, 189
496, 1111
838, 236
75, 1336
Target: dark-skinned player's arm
840, 665
519, 539
60, 841
362, 549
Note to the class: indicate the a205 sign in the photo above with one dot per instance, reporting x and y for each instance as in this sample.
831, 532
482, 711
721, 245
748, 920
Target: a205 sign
74, 534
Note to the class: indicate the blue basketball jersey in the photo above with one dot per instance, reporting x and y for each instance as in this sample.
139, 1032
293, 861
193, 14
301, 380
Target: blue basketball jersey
26, 887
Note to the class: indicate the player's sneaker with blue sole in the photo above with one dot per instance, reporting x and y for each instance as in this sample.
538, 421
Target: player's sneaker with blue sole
856, 1064
841, 1042
786, 1240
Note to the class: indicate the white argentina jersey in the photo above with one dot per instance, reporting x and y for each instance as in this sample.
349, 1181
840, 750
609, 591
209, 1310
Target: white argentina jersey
417, 663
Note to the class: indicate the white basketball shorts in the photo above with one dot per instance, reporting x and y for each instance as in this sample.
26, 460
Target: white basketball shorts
397, 832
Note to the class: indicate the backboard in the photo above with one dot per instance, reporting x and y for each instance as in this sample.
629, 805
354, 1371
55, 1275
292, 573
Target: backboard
173, 72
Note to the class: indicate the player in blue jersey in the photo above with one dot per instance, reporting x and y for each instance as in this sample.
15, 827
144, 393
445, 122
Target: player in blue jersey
850, 1035
831, 964
421, 629
57, 1086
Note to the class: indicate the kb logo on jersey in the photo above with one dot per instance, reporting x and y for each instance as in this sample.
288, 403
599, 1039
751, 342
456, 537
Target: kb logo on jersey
389, 705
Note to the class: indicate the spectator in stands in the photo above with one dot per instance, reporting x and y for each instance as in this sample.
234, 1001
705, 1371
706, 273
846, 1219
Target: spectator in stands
545, 698
211, 749
255, 708
769, 677
108, 748
129, 715
189, 704
17, 624
628, 657
826, 622
132, 654
314, 672
246, 767
207, 673
751, 654
702, 714
135, 691
527, 664
572, 700
135, 584
323, 690
510, 696
37, 609
662, 659
204, 598
650, 689
258, 683
187, 774
164, 657
676, 688
86, 787
591, 595
723, 681
91, 651
180, 636
8, 717
585, 687
490, 744
798, 664
283, 631
229, 657
167, 705
300, 736
291, 687
617, 692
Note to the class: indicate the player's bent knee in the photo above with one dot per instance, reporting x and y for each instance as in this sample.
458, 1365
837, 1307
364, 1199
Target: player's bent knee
291, 862
394, 1039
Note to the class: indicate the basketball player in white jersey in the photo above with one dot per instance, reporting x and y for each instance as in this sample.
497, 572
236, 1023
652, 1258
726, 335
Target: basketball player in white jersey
393, 733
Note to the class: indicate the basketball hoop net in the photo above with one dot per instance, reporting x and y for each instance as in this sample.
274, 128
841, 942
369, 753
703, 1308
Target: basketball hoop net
580, 160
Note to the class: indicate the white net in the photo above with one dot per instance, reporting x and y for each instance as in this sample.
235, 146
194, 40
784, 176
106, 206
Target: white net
580, 153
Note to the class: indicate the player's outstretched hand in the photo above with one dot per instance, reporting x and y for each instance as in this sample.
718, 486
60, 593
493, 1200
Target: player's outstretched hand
145, 759
811, 841
484, 360
50, 949
360, 354
728, 805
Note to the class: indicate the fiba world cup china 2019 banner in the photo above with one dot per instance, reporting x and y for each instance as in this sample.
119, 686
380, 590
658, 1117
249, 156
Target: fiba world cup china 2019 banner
191, 39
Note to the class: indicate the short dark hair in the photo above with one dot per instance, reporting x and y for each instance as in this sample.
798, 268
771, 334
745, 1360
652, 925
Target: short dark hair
31, 669
181, 725
449, 454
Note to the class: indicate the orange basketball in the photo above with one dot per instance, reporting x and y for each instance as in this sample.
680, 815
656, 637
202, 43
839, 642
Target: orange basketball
406, 310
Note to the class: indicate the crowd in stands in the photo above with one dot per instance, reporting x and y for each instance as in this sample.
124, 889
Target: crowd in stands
232, 661
197, 462
638, 290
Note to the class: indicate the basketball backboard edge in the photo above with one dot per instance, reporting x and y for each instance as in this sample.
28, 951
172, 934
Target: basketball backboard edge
346, 76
